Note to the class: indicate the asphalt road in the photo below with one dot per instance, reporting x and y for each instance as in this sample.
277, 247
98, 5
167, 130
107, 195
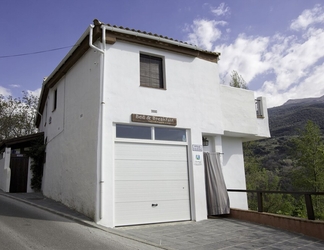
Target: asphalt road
23, 226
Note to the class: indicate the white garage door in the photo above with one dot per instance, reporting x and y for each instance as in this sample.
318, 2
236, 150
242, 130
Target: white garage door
151, 183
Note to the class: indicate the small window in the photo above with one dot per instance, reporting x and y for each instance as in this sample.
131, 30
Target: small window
55, 100
151, 71
170, 134
259, 107
45, 116
134, 132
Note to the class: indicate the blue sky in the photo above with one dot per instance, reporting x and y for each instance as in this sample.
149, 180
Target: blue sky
276, 45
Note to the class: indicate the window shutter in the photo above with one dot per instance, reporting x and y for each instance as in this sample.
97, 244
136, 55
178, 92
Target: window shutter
151, 74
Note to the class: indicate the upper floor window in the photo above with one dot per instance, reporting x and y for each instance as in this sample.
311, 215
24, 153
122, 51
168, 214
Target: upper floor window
151, 71
55, 100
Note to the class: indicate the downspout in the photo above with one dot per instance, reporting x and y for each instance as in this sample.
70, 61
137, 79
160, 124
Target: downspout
101, 110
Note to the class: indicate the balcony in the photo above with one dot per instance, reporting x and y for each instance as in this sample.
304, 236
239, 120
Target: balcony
243, 114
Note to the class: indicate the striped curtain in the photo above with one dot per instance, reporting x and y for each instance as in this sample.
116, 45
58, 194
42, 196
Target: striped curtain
216, 192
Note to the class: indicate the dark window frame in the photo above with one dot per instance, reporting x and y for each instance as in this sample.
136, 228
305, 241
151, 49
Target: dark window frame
55, 100
152, 133
152, 71
127, 131
170, 134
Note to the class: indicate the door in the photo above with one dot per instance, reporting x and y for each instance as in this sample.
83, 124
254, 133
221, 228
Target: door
19, 174
151, 183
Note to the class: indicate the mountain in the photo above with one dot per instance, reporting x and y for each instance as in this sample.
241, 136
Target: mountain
287, 119
275, 154
305, 101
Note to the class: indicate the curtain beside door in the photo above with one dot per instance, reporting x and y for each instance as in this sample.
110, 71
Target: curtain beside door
216, 192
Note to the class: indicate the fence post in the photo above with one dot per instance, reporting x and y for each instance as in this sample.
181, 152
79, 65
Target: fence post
260, 201
309, 207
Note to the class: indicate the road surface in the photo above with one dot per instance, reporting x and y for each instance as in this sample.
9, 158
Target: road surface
23, 226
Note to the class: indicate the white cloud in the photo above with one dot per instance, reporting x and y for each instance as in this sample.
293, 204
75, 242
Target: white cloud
4, 91
204, 33
221, 10
245, 56
308, 17
291, 60
296, 69
290, 65
34, 92
15, 85
311, 86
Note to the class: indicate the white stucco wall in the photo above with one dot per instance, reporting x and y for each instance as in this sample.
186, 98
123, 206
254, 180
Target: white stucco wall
5, 172
233, 170
191, 96
239, 114
70, 171
232, 162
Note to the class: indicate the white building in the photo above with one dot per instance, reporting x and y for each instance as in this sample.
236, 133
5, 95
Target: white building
124, 120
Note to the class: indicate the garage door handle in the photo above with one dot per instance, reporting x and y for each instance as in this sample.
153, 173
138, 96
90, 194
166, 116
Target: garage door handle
154, 205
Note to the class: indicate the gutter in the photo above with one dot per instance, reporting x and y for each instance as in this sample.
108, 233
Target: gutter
101, 112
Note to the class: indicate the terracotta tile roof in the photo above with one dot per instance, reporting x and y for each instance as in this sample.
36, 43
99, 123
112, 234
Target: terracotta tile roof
99, 23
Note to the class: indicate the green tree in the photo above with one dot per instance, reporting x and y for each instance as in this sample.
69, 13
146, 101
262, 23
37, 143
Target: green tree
308, 172
259, 178
37, 153
237, 80
17, 115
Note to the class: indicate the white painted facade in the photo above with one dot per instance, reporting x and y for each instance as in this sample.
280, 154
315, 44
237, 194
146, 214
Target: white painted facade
5, 173
71, 133
103, 89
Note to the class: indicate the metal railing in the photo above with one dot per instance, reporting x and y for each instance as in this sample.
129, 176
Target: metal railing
307, 195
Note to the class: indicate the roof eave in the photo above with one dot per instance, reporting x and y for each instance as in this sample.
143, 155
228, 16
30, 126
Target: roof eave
20, 140
82, 45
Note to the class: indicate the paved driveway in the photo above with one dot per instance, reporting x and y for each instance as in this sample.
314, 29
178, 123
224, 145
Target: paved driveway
222, 233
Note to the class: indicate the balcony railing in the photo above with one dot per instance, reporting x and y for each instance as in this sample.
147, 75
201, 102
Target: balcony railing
307, 195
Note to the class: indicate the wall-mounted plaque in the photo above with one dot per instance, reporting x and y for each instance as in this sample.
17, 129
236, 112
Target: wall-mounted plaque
197, 147
154, 119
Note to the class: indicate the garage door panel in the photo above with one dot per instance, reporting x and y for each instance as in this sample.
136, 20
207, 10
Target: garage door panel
133, 151
150, 170
151, 190
143, 212
147, 174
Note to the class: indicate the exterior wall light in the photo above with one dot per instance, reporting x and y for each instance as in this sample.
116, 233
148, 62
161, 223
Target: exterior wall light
205, 141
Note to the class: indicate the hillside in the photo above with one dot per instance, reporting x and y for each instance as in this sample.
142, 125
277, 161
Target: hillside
285, 120
274, 154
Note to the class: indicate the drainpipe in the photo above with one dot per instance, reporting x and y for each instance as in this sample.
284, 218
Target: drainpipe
101, 108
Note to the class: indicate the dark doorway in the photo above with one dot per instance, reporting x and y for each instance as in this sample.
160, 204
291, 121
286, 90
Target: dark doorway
19, 174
